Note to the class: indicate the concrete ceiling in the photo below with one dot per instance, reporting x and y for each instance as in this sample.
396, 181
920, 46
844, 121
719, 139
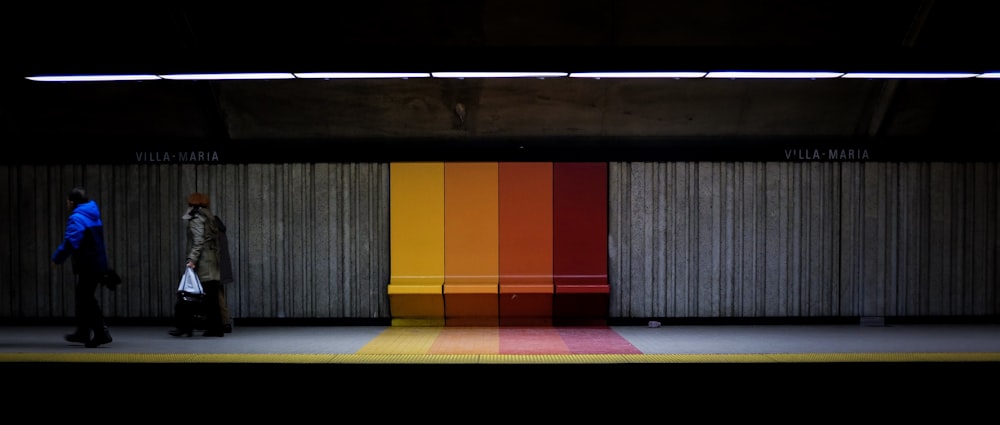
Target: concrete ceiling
523, 35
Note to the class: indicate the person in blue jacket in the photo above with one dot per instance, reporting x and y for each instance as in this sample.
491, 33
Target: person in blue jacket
83, 243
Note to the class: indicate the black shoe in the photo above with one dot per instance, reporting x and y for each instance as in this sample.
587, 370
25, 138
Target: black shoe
98, 340
228, 329
215, 333
77, 338
181, 332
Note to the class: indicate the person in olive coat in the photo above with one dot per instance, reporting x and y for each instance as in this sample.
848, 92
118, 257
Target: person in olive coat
203, 257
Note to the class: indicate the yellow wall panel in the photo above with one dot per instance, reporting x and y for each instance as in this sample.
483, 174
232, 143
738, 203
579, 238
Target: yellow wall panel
416, 222
416, 229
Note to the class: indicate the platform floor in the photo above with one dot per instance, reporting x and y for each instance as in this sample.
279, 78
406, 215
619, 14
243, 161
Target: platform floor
828, 370
612, 344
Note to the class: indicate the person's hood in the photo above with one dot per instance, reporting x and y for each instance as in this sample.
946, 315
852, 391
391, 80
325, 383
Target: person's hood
89, 211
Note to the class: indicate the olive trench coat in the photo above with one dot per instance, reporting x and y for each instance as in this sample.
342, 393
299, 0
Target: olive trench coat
203, 243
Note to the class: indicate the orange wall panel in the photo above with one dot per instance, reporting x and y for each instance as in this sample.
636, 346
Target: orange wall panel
470, 223
470, 244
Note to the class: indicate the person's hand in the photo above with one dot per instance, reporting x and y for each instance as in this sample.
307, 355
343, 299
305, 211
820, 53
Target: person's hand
190, 264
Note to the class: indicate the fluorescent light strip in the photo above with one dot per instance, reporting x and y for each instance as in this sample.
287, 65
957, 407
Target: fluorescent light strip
907, 75
497, 74
593, 75
237, 76
773, 74
76, 78
637, 75
346, 75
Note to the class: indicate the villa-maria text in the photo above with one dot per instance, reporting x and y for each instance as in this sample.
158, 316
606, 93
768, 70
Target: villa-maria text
178, 157
827, 154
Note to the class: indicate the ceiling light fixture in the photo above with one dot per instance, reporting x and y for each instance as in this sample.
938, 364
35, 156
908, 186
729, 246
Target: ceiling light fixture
504, 74
76, 78
365, 75
234, 76
497, 74
908, 75
773, 74
665, 74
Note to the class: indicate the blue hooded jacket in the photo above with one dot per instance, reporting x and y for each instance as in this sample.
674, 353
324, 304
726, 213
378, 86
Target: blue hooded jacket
84, 241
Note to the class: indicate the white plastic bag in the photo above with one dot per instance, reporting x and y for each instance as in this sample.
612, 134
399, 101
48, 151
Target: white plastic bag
190, 283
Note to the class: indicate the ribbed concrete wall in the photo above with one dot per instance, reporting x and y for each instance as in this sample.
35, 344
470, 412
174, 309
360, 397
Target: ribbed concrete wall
685, 239
307, 240
803, 239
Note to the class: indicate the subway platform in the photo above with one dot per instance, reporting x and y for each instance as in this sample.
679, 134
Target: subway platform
378, 344
862, 362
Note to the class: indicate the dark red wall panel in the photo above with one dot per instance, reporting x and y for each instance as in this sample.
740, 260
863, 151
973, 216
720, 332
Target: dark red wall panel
580, 243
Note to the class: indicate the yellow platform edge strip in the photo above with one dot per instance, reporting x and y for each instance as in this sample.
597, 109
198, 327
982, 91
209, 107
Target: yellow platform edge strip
298, 358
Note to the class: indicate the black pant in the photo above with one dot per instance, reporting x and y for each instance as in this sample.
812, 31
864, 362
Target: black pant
89, 316
213, 311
